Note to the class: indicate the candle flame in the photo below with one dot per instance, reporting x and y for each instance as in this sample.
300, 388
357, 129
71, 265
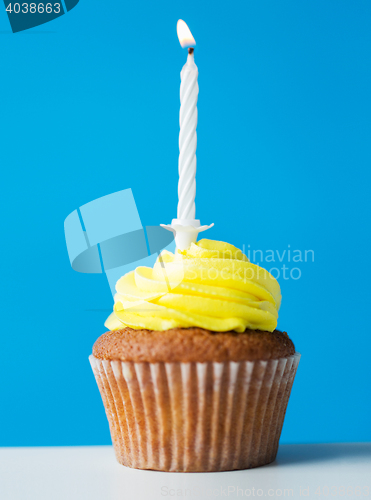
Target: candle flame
184, 34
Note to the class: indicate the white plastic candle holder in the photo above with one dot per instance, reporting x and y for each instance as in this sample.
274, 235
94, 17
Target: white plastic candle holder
185, 231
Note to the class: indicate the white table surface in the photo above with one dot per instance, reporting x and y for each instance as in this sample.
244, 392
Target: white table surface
91, 472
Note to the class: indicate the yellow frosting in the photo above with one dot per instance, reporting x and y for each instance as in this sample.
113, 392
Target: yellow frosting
211, 285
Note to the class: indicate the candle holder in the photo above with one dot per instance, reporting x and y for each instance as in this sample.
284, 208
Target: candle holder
185, 231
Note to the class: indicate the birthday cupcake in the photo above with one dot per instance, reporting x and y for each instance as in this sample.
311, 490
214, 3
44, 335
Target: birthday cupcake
193, 374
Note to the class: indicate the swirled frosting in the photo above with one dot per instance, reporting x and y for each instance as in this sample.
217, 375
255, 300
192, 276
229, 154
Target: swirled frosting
211, 285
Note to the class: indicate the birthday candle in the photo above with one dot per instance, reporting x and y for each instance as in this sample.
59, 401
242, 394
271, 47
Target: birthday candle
188, 124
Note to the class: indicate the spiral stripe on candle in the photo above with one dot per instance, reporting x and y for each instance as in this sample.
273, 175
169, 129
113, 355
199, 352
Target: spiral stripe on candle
188, 143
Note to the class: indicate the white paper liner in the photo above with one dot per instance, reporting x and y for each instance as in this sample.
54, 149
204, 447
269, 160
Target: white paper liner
195, 416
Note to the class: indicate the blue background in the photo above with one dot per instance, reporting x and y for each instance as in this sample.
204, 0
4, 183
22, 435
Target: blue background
89, 106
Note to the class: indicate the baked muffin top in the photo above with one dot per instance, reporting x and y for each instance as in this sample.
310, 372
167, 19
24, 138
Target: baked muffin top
192, 345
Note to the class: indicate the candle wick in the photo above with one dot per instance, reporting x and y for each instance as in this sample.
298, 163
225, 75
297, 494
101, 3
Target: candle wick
191, 50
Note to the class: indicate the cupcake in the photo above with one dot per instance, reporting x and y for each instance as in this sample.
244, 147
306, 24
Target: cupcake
193, 373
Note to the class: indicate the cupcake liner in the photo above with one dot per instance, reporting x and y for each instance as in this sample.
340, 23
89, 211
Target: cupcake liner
195, 417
